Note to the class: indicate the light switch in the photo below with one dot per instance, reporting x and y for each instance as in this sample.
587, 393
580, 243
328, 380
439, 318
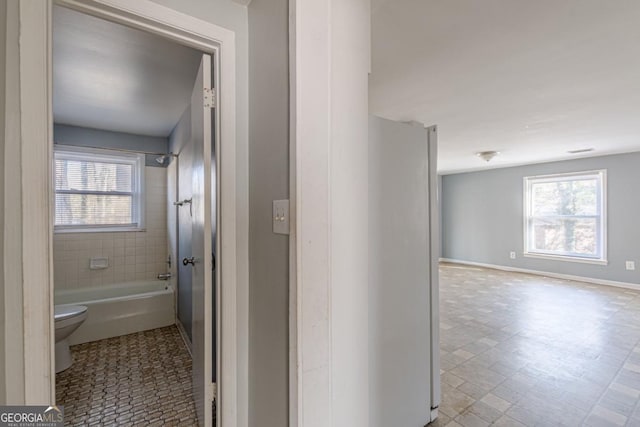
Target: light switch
630, 265
281, 216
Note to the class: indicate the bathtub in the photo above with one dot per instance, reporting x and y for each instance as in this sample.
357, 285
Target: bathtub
120, 309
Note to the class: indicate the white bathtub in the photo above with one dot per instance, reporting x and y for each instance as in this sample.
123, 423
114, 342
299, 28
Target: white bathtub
120, 309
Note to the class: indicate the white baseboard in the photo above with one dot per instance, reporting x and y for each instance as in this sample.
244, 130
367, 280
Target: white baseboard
626, 285
185, 337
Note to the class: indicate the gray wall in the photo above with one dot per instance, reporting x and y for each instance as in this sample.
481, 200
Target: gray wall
268, 181
86, 137
179, 137
399, 275
181, 133
483, 217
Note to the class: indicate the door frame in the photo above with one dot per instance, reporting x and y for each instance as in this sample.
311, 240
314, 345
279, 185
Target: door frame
36, 125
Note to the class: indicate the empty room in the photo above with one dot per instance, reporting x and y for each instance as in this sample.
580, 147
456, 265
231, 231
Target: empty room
536, 105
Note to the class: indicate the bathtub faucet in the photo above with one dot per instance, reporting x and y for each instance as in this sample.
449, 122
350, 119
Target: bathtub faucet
164, 276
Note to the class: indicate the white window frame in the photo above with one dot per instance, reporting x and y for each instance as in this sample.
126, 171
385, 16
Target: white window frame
109, 156
601, 258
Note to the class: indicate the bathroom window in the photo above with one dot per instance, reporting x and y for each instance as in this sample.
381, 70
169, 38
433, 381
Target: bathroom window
98, 190
565, 216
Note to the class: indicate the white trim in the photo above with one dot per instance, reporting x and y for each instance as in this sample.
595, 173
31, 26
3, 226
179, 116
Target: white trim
36, 118
28, 311
310, 121
329, 53
102, 229
36, 236
434, 271
625, 285
137, 193
12, 196
294, 369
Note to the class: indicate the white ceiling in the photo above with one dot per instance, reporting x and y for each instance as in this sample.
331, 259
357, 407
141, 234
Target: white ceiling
531, 79
108, 76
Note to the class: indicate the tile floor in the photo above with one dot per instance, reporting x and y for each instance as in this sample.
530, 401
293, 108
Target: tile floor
519, 349
137, 379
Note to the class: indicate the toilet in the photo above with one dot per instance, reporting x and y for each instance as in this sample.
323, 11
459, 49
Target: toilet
68, 318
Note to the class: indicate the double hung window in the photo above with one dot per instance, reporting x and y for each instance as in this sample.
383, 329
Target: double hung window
565, 216
98, 190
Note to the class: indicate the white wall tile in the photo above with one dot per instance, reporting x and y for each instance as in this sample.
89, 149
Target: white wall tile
132, 255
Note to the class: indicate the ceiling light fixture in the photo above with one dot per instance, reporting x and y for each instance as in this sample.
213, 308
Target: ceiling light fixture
487, 155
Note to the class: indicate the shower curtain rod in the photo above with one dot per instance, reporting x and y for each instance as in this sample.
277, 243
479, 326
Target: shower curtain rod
150, 153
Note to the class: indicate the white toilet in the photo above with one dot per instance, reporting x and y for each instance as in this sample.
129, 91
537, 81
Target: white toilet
68, 318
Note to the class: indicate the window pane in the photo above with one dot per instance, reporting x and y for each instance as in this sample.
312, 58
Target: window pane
571, 197
85, 175
87, 209
565, 235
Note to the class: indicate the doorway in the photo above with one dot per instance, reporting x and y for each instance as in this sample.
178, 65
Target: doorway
35, 123
116, 107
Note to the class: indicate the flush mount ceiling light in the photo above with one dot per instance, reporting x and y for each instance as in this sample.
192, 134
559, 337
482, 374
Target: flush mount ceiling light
580, 150
487, 155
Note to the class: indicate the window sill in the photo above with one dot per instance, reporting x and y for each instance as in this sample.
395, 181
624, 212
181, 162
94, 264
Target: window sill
566, 258
99, 230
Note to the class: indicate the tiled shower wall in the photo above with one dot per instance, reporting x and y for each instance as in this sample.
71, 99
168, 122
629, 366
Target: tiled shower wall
133, 255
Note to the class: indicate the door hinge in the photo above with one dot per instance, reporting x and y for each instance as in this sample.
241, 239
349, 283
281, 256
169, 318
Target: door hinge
209, 97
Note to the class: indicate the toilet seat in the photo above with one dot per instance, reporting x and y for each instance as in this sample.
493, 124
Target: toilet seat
64, 312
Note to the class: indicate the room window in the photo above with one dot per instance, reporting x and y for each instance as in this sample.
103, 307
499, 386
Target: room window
565, 216
97, 190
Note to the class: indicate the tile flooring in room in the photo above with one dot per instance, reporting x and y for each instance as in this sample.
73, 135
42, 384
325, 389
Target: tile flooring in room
520, 349
137, 379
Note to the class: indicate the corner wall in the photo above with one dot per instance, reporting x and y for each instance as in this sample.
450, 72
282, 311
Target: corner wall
330, 64
482, 217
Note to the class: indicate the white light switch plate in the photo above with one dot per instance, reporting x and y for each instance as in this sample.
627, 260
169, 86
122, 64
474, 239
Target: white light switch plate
631, 265
281, 216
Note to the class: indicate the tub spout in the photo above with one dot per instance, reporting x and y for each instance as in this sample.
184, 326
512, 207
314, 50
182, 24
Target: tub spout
164, 276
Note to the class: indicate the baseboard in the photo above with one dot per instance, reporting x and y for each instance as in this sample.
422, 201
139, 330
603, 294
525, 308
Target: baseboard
626, 285
185, 337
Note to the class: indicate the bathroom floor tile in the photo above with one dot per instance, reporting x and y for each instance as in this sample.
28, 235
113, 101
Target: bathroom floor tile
519, 349
137, 379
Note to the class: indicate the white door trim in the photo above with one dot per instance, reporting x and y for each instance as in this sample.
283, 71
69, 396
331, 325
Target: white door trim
27, 235
36, 120
329, 43
294, 368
